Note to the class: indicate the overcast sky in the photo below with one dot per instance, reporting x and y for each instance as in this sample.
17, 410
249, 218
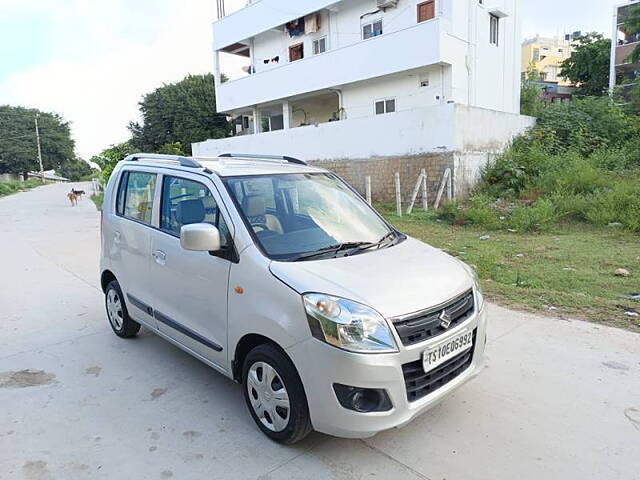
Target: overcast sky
92, 60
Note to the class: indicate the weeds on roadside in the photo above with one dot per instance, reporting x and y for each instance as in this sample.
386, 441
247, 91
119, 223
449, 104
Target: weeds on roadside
15, 186
581, 162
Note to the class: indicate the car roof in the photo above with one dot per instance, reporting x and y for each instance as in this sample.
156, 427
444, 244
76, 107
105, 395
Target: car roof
231, 165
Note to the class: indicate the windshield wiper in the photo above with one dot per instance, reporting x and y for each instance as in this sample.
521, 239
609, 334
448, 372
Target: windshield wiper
366, 246
333, 249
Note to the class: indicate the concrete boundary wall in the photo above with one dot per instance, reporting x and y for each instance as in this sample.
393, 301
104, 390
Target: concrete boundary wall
381, 171
434, 138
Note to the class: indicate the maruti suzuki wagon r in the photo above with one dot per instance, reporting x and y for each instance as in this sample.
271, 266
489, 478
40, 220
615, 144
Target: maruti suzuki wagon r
280, 276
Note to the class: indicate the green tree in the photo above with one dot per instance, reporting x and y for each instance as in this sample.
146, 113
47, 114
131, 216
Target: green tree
174, 148
18, 146
182, 112
108, 158
631, 28
530, 96
588, 66
634, 98
74, 169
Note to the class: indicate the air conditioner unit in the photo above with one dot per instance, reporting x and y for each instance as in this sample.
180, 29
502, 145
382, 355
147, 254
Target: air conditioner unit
387, 3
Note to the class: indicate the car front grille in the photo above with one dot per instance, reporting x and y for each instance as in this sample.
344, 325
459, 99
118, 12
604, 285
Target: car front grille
420, 384
427, 325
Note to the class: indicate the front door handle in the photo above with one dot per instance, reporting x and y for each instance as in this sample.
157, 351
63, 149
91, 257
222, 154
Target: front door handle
159, 256
116, 237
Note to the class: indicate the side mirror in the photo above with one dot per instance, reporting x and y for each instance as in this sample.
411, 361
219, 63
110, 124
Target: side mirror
200, 237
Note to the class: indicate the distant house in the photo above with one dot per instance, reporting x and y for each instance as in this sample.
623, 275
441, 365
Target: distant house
371, 87
49, 176
624, 74
545, 55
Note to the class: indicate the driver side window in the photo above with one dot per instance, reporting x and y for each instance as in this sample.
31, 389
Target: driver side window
185, 202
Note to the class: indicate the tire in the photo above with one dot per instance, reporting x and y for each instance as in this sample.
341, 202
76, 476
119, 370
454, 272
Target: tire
266, 362
121, 323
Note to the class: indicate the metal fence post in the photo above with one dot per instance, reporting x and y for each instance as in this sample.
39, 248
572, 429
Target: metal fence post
367, 184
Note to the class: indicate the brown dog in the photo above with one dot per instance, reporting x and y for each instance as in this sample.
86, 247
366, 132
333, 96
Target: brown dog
73, 198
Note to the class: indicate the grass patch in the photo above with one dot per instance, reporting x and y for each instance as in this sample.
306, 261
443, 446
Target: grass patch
566, 271
14, 186
97, 199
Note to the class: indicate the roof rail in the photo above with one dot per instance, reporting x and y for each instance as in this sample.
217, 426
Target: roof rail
263, 157
183, 161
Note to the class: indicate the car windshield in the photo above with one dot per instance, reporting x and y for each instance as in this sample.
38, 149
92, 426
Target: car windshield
307, 216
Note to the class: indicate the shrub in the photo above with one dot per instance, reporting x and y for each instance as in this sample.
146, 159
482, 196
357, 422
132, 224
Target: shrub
481, 212
621, 203
535, 218
511, 172
571, 207
450, 211
570, 174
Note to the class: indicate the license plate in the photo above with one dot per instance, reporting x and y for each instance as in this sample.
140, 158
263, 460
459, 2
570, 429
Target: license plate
447, 349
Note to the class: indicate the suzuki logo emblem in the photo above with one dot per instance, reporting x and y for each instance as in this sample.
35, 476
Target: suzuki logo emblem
445, 320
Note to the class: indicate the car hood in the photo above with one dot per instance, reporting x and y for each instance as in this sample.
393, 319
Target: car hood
399, 280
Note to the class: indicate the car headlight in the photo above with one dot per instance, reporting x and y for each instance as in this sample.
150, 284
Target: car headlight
476, 285
348, 325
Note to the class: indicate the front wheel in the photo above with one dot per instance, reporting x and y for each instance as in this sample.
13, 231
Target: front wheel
119, 318
275, 395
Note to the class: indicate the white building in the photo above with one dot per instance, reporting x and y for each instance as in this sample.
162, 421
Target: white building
624, 74
360, 79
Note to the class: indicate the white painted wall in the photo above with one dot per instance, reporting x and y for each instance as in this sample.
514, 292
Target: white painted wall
359, 62
359, 99
438, 128
403, 133
483, 130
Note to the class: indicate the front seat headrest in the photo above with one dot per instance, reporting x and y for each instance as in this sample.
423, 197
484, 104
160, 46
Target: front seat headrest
254, 206
190, 211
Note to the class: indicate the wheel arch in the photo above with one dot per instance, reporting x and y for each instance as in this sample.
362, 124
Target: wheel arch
106, 278
244, 346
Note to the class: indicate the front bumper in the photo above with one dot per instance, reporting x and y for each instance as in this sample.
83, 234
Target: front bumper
321, 365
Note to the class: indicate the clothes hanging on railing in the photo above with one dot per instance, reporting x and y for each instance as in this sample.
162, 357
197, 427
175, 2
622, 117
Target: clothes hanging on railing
312, 23
295, 28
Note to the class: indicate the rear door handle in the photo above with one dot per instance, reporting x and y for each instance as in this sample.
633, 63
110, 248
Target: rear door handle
159, 256
116, 236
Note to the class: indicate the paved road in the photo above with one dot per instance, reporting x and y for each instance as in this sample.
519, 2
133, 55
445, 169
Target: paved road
558, 399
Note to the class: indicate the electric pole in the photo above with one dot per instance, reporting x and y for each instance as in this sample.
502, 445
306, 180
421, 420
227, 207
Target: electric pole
39, 150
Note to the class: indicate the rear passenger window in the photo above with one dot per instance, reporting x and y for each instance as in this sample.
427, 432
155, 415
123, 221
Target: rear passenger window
138, 197
185, 202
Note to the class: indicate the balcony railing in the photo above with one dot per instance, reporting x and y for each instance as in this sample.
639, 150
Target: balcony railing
414, 47
259, 16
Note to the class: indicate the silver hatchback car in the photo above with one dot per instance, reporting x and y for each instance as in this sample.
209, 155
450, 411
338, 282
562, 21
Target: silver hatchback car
280, 276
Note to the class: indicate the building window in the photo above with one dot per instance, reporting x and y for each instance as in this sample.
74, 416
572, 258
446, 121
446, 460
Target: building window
320, 45
296, 52
372, 29
536, 55
494, 31
426, 11
385, 106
